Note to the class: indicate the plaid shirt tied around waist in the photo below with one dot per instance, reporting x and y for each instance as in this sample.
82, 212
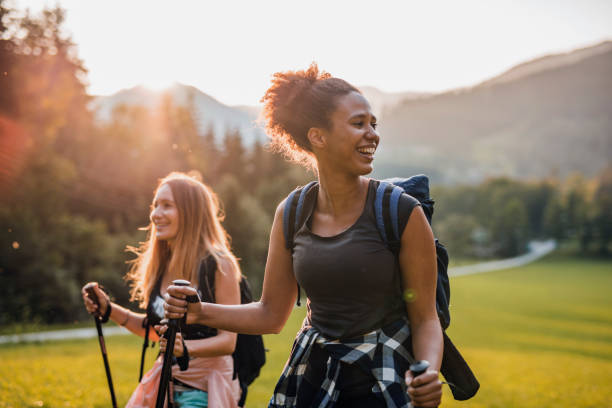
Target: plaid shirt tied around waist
382, 352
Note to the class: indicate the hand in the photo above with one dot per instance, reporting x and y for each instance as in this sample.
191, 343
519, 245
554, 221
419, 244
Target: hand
425, 390
178, 342
176, 306
90, 305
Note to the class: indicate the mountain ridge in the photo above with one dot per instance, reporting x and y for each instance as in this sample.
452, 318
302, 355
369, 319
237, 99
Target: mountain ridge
554, 120
548, 115
209, 112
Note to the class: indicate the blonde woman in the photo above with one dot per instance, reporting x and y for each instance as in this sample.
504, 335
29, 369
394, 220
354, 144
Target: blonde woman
185, 235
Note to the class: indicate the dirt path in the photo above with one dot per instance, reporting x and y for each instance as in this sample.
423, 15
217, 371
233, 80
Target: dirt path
537, 249
62, 335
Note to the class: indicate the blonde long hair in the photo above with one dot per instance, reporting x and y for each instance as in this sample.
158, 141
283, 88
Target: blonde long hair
199, 234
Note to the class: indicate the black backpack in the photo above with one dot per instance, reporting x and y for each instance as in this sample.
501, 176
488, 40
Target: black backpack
250, 353
464, 384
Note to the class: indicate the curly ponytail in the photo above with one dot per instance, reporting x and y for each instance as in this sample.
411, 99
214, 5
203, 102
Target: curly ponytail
297, 101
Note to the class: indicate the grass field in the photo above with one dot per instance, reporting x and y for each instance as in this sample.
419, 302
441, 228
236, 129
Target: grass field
536, 336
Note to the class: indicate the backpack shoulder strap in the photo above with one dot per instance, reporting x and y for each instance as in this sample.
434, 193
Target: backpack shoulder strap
386, 211
145, 344
293, 212
146, 324
246, 294
208, 267
292, 217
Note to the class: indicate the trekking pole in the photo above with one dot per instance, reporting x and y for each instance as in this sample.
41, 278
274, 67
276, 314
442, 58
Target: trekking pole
91, 293
170, 336
417, 369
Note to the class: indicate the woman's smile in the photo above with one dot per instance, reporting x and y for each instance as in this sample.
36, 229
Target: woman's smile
367, 151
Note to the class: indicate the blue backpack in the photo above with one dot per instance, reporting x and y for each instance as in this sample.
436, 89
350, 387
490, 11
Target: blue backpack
386, 209
386, 205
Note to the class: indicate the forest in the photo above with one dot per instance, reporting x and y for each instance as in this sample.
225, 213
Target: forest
75, 192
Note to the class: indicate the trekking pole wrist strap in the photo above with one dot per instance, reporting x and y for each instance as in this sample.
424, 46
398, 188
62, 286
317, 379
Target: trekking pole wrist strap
183, 361
106, 315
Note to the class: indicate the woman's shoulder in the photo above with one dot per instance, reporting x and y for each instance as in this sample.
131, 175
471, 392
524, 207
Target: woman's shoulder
224, 263
406, 204
405, 198
301, 196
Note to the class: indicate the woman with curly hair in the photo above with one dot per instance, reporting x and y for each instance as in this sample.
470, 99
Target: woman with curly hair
185, 235
359, 336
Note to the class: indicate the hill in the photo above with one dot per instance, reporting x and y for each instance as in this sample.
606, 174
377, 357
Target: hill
208, 111
549, 116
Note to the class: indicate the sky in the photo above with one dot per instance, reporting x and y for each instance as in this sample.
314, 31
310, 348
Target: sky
229, 49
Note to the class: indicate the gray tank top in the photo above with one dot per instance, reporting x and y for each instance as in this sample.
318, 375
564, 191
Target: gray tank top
352, 279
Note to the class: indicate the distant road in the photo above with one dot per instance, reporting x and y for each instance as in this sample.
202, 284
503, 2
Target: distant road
537, 249
62, 335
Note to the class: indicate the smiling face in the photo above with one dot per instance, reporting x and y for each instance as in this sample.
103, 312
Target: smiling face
164, 214
352, 138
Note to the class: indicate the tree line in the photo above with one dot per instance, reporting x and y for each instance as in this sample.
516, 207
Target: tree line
74, 192
500, 216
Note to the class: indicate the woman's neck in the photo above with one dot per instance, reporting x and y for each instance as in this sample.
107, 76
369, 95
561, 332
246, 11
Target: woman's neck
339, 193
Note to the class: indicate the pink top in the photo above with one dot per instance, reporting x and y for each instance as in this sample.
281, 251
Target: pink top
212, 374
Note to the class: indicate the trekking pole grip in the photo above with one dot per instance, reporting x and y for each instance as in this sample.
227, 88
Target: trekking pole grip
417, 369
91, 294
170, 335
180, 282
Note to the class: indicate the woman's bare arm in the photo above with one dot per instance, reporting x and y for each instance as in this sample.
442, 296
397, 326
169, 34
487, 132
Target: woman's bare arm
419, 277
268, 315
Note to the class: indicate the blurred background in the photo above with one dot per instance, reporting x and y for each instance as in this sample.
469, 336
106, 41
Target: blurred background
507, 107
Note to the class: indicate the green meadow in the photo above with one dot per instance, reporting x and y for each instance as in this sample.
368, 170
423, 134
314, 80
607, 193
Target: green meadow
536, 336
